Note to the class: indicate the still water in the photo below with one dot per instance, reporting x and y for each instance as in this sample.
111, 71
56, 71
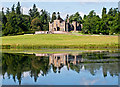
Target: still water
84, 68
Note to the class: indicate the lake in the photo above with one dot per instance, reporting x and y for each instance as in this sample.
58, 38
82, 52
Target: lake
62, 68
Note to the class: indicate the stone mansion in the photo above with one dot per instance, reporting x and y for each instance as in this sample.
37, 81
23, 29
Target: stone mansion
61, 25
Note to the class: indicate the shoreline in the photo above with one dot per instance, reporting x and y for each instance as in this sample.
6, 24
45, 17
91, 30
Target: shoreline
86, 46
42, 51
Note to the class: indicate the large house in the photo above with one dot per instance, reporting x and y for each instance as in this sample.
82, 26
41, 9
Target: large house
61, 25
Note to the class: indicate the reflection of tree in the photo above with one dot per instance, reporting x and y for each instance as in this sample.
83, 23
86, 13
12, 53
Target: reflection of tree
75, 67
92, 68
40, 64
16, 64
54, 68
94, 55
112, 68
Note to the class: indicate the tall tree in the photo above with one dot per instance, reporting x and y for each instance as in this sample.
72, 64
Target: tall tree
53, 16
103, 12
34, 12
4, 19
91, 23
110, 12
76, 17
92, 13
13, 8
58, 17
67, 17
7, 11
18, 8
45, 19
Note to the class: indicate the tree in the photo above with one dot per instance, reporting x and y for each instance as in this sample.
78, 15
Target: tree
13, 8
103, 12
45, 19
36, 24
91, 23
34, 12
92, 14
67, 17
58, 15
7, 11
8, 29
75, 17
104, 22
4, 19
18, 8
84, 17
113, 21
53, 16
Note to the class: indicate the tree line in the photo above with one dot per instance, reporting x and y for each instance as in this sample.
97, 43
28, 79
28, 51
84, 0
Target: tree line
14, 22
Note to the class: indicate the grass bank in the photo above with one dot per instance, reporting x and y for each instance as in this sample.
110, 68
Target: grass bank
59, 41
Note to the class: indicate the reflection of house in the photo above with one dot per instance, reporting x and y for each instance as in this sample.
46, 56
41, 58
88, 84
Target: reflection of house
61, 25
60, 59
63, 59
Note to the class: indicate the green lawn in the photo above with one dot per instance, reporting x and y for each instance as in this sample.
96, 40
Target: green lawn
59, 41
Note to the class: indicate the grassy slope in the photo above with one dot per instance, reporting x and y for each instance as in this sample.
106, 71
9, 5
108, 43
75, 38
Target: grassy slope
60, 40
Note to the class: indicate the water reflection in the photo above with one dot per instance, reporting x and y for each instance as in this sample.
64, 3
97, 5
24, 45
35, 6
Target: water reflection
14, 65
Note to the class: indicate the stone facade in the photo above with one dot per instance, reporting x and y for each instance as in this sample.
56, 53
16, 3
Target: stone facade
61, 25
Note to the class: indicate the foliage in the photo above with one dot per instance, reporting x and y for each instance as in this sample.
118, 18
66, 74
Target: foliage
108, 24
53, 16
75, 17
90, 25
15, 22
36, 24
45, 19
34, 12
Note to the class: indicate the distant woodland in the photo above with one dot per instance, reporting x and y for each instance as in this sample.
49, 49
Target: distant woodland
14, 22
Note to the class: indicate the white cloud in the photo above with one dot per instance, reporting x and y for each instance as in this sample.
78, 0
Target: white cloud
5, 8
26, 74
64, 14
82, 14
87, 81
26, 10
0, 8
99, 15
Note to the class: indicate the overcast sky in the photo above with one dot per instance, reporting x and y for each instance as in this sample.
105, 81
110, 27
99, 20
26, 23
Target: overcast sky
64, 7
